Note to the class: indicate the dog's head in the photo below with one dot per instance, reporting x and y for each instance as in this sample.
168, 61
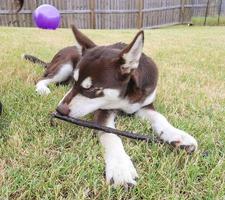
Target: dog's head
101, 76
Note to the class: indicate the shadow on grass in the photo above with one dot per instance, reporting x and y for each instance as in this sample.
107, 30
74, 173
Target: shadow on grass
4, 124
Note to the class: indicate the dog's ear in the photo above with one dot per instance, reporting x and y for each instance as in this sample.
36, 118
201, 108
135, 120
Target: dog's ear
83, 41
132, 53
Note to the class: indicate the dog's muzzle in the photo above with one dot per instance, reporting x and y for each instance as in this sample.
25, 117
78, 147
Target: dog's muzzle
63, 109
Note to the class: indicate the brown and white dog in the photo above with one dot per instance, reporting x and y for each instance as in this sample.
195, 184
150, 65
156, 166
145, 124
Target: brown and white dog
108, 79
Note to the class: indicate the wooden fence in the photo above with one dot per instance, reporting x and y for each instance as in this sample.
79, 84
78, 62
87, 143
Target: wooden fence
109, 14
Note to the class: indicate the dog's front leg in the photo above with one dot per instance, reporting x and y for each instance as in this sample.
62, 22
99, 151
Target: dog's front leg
119, 167
166, 131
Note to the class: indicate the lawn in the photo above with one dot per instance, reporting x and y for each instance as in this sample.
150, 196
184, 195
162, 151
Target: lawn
210, 21
38, 161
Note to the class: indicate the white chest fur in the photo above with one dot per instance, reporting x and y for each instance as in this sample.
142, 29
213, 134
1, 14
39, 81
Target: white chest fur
81, 105
115, 102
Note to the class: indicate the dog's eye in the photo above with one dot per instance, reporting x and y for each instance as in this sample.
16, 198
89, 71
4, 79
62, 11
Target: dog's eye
92, 92
99, 91
91, 89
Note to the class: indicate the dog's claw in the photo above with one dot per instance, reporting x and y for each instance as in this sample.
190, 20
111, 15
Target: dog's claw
184, 146
130, 186
120, 171
111, 182
175, 144
188, 148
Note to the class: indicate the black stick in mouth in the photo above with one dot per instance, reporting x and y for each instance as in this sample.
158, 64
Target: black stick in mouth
95, 126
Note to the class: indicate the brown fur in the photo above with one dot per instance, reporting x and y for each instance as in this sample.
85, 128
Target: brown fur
103, 65
101, 116
68, 54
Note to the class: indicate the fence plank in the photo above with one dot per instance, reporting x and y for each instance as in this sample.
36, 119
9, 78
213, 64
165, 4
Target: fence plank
114, 13
140, 14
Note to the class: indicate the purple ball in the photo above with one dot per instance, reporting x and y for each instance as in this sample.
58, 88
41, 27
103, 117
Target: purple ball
47, 17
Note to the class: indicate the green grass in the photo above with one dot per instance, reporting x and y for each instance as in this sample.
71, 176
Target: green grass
38, 161
210, 21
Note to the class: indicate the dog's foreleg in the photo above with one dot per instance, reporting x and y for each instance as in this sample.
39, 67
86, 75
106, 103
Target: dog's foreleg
166, 131
64, 72
42, 86
119, 167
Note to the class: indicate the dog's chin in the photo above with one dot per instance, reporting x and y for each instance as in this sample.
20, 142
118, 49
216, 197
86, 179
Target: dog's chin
79, 113
74, 114
81, 106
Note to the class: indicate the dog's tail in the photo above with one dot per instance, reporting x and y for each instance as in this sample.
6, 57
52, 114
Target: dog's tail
35, 60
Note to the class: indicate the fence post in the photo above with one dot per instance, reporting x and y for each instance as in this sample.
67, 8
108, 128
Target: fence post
206, 12
182, 12
92, 15
219, 12
140, 14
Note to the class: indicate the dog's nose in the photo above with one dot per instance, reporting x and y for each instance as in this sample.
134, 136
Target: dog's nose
63, 109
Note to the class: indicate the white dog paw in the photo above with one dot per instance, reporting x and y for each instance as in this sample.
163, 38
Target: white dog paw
120, 171
181, 139
42, 90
